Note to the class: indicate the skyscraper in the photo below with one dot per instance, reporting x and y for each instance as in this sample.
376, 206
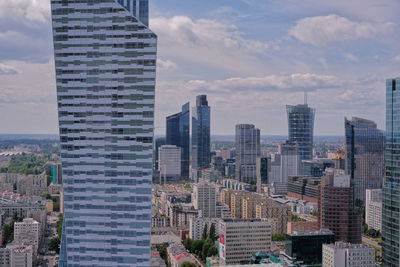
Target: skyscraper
247, 146
365, 159
290, 161
201, 156
178, 126
105, 58
301, 129
391, 189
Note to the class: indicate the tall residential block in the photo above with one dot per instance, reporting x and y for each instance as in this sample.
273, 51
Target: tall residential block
247, 146
373, 209
365, 157
391, 187
28, 232
239, 239
201, 118
169, 163
105, 61
290, 161
204, 198
263, 164
178, 127
301, 128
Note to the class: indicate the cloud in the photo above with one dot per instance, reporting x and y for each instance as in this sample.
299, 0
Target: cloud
322, 30
396, 58
350, 57
166, 65
7, 70
25, 10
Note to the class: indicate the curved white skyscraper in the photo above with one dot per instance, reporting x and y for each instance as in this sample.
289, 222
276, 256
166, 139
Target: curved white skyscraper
105, 59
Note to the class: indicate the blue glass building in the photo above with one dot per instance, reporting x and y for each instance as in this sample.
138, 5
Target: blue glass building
365, 156
201, 156
105, 60
391, 192
301, 129
178, 134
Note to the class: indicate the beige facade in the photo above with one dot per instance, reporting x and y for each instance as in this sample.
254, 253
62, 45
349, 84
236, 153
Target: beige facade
274, 210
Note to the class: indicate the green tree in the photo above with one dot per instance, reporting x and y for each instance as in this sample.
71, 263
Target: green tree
205, 231
54, 244
162, 249
188, 244
188, 264
278, 237
212, 234
197, 246
7, 233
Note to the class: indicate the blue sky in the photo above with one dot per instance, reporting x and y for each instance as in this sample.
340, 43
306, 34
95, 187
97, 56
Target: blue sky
251, 57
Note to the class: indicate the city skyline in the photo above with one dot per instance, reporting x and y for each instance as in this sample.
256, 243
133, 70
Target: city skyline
344, 76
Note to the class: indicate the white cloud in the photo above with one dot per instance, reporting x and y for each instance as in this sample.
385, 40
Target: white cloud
396, 58
31, 10
321, 30
166, 65
7, 70
350, 57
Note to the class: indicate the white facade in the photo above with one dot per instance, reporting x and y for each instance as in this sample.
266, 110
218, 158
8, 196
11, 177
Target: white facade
290, 161
347, 255
204, 198
239, 239
27, 232
373, 209
105, 64
197, 226
169, 158
16, 255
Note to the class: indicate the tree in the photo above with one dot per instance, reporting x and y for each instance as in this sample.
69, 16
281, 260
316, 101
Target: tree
188, 244
278, 237
54, 244
205, 231
7, 233
188, 264
197, 246
162, 249
212, 234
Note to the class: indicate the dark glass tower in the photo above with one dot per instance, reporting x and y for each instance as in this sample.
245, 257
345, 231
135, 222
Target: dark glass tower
391, 192
301, 129
365, 159
201, 156
178, 127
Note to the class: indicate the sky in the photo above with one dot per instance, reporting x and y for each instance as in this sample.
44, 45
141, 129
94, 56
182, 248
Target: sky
251, 57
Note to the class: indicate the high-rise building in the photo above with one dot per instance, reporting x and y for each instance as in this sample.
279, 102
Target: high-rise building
201, 118
247, 146
105, 60
169, 164
391, 187
365, 157
178, 126
157, 143
301, 129
336, 209
239, 239
204, 198
290, 161
263, 164
346, 254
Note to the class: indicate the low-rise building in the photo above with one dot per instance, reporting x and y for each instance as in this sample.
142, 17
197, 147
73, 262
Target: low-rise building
156, 260
349, 255
307, 246
241, 238
302, 227
16, 255
27, 232
197, 226
177, 255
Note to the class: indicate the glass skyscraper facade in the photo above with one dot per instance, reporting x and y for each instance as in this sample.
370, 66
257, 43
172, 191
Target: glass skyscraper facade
391, 192
301, 129
201, 156
178, 134
247, 144
105, 60
365, 156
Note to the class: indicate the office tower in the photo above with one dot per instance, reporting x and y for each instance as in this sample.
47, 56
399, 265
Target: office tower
391, 190
373, 209
239, 239
336, 210
263, 164
105, 59
201, 156
349, 255
169, 164
161, 141
307, 246
301, 129
364, 154
204, 198
290, 161
178, 126
247, 146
